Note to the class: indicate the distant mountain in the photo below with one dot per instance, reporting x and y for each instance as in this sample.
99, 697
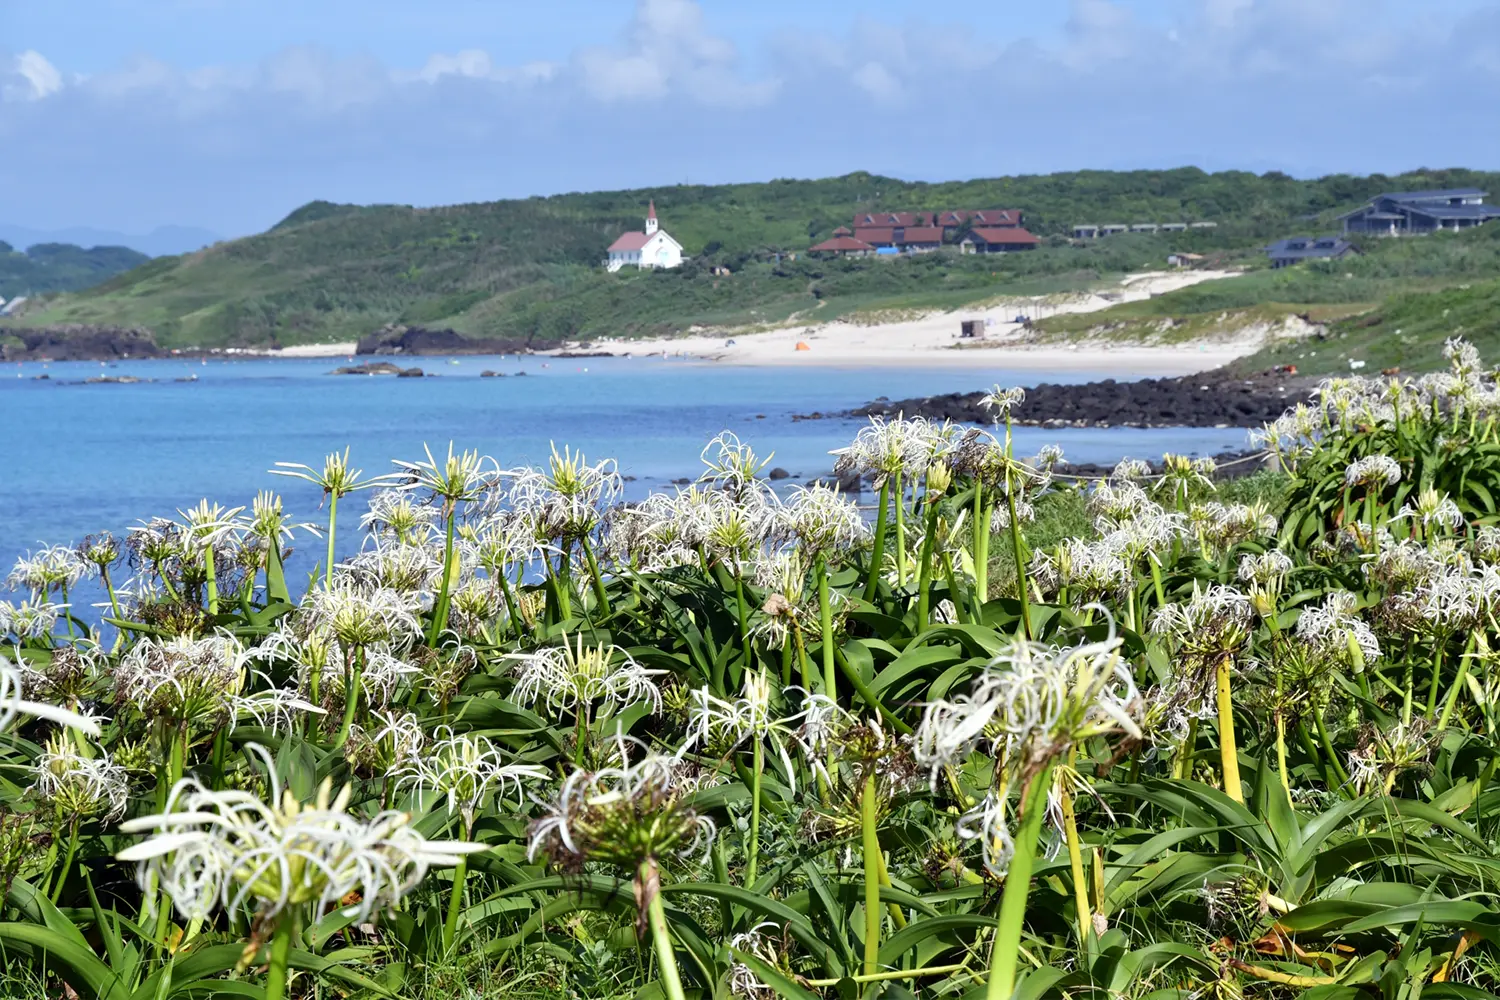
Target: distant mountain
61, 267
160, 242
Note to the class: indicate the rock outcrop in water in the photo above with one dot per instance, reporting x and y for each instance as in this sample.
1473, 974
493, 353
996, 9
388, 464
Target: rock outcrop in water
76, 342
396, 339
1209, 399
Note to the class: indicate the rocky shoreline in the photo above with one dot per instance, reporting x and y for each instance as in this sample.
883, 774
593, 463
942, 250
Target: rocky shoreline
1217, 398
77, 342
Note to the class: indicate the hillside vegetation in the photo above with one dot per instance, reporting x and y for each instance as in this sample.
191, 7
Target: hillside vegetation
531, 268
1393, 304
61, 267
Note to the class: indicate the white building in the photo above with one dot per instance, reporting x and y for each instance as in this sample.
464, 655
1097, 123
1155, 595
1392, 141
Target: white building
652, 248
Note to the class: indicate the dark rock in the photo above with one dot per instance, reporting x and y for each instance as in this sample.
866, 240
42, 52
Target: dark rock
1209, 399
397, 339
115, 380
371, 368
583, 354
409, 373
520, 373
41, 378
77, 342
681, 482
778, 473
490, 374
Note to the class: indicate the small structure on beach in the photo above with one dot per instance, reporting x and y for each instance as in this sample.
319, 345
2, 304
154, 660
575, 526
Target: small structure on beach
843, 244
648, 249
1184, 259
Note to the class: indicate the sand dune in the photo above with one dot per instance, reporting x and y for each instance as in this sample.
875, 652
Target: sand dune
933, 339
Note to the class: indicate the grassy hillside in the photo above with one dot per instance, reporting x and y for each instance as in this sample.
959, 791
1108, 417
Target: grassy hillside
60, 267
1411, 280
531, 267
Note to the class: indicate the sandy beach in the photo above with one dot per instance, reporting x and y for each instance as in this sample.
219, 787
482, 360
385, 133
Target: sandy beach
933, 339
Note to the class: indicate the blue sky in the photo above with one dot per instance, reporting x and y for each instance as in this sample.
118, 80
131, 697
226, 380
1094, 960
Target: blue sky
226, 114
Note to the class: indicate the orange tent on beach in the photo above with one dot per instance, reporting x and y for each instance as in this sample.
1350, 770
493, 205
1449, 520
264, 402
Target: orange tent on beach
803, 345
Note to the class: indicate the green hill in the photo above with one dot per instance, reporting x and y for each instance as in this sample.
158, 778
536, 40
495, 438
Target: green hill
531, 267
61, 267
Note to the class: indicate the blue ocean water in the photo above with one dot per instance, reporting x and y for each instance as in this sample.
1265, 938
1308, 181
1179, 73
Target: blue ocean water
83, 458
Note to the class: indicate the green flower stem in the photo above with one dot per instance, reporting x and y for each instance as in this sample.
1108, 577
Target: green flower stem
1161, 597
1075, 864
924, 570
510, 605
870, 698
212, 582
743, 610
1018, 544
877, 551
1478, 646
804, 665
281, 950
900, 496
661, 940
786, 664
752, 846
565, 586
440, 609
353, 678
1002, 982
1437, 669
871, 847
980, 550
580, 733
333, 523
951, 579
1327, 741
601, 596
455, 898
1229, 754
825, 625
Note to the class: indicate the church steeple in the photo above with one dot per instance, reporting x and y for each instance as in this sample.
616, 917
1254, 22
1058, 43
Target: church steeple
651, 224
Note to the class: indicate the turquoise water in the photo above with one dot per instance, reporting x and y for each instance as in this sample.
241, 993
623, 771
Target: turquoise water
83, 458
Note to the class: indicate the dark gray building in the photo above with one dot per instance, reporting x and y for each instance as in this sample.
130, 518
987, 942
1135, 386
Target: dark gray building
1405, 212
1285, 253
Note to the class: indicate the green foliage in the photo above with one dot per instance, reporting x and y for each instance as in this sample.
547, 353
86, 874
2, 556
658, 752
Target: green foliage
531, 268
61, 267
725, 742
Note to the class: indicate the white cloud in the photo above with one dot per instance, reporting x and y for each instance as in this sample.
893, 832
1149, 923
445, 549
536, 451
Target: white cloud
31, 78
1258, 84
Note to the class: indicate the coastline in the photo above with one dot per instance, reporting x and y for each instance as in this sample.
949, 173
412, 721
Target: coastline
933, 339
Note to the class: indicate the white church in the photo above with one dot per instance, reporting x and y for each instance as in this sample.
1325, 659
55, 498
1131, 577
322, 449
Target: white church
653, 248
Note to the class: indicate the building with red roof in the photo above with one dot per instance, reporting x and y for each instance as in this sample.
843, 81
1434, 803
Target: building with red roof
649, 249
997, 239
844, 246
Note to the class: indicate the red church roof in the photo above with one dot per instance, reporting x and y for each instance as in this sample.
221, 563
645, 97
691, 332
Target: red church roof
628, 241
651, 209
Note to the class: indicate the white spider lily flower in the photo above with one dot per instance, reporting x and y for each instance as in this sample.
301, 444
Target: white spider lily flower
743, 982
54, 568
406, 568
1129, 471
397, 513
467, 770
1215, 621
1035, 700
1331, 632
822, 521
732, 465
1267, 569
1432, 508
459, 477
1116, 502
631, 815
360, 616
989, 823
568, 500
273, 708
1462, 356
1088, 571
1373, 471
570, 676
733, 529
714, 722
1000, 400
886, 448
29, 619
1382, 756
394, 740
182, 678
229, 848
80, 787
